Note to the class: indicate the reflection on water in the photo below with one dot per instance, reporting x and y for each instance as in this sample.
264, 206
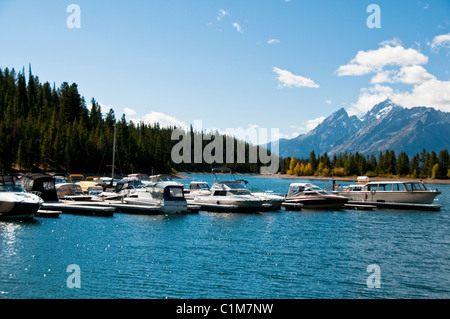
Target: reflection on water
8, 233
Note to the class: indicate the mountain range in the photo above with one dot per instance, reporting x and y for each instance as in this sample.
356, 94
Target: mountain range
386, 126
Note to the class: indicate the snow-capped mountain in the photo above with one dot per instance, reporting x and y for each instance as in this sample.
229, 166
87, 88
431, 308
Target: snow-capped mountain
386, 126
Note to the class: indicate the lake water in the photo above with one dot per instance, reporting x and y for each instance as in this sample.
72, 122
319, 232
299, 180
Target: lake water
231, 255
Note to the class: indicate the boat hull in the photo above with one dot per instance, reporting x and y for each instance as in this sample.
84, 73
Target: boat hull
220, 203
317, 203
18, 209
415, 197
167, 207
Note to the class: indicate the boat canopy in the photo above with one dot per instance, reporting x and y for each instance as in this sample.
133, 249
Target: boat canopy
9, 183
296, 189
42, 183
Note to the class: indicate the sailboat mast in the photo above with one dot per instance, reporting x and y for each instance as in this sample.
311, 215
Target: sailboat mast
114, 151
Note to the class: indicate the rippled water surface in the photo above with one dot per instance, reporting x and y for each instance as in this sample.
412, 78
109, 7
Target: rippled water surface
281, 254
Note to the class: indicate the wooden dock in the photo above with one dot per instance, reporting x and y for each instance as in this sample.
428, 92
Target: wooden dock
79, 209
119, 206
359, 206
392, 205
48, 213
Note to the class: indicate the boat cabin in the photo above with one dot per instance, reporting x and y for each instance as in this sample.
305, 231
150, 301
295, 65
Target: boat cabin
394, 186
305, 189
227, 188
42, 184
164, 191
199, 186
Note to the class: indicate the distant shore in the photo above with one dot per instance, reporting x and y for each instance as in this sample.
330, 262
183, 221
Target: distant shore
341, 179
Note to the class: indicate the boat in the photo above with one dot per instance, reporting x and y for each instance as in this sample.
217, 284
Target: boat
310, 196
230, 196
91, 185
273, 200
41, 184
389, 191
15, 202
166, 197
122, 189
73, 192
143, 178
75, 178
197, 188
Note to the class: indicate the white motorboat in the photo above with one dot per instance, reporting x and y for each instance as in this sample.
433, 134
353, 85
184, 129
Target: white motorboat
122, 189
230, 196
166, 197
15, 202
197, 188
310, 196
273, 200
390, 191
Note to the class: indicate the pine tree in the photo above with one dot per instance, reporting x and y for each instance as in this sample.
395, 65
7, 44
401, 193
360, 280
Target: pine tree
402, 166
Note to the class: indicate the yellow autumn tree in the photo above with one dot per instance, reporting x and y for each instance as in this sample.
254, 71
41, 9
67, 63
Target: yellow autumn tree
308, 171
292, 165
299, 168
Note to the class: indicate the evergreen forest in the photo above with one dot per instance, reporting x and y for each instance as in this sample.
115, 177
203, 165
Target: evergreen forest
48, 128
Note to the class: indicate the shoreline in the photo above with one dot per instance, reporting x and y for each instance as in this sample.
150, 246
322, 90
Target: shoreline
341, 179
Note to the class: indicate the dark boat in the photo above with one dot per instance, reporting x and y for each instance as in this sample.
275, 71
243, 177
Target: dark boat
310, 196
41, 184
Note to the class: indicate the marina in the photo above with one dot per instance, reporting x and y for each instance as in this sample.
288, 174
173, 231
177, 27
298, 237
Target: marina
206, 254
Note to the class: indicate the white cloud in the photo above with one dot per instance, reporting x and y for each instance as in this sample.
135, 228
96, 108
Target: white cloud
311, 124
306, 126
272, 41
221, 14
431, 93
413, 74
164, 120
368, 97
287, 79
393, 42
104, 108
328, 102
238, 27
371, 61
396, 64
129, 112
439, 42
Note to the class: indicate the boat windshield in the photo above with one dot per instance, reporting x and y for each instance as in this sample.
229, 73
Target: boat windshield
199, 186
176, 192
415, 187
306, 190
11, 188
234, 185
239, 192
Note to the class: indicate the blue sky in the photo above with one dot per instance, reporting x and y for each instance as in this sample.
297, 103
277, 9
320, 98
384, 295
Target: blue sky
237, 63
